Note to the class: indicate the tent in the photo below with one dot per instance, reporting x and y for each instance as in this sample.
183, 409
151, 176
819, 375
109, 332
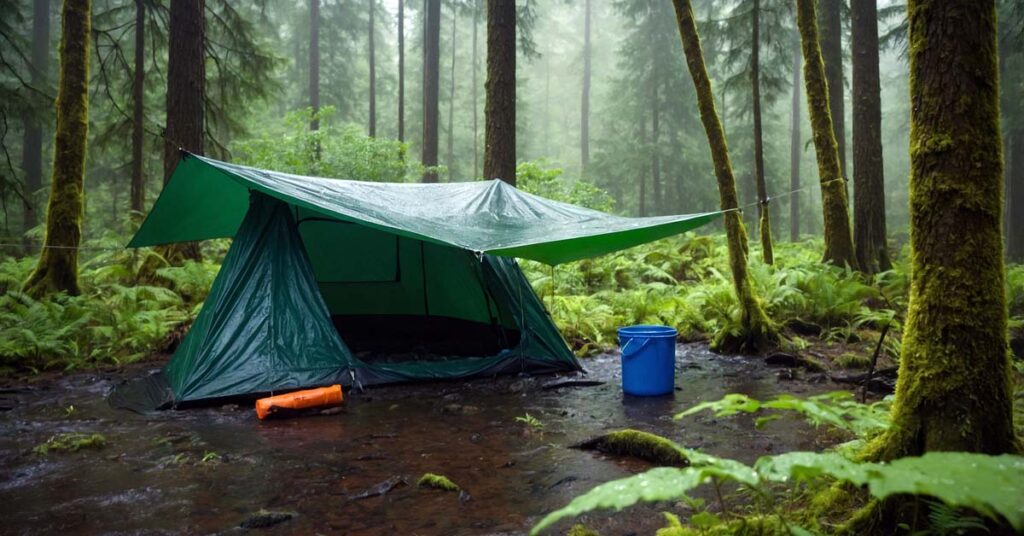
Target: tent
359, 283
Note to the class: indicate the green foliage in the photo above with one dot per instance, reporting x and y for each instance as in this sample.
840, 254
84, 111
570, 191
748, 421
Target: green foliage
990, 485
837, 409
531, 421
335, 152
71, 442
430, 480
638, 444
536, 178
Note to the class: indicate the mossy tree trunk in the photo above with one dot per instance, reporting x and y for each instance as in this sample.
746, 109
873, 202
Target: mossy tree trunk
953, 392
585, 97
57, 270
186, 82
757, 331
830, 35
500, 86
838, 238
431, 86
868, 179
763, 214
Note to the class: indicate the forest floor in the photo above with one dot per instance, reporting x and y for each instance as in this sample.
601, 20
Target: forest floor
211, 470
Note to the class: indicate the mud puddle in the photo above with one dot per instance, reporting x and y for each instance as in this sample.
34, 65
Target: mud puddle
205, 471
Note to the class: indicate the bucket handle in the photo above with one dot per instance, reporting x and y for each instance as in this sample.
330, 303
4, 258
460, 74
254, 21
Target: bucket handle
627, 355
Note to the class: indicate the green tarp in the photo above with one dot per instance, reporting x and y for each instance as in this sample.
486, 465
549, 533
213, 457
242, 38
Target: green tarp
332, 281
206, 199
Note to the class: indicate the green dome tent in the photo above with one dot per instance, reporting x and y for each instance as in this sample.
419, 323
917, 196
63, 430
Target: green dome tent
334, 281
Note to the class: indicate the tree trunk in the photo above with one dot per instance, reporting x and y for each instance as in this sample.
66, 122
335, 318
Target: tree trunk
658, 204
795, 148
644, 169
373, 73
450, 160
186, 80
585, 100
138, 186
953, 392
476, 91
868, 179
431, 80
757, 332
57, 270
830, 34
401, 70
1015, 199
838, 238
763, 214
500, 108
314, 63
32, 147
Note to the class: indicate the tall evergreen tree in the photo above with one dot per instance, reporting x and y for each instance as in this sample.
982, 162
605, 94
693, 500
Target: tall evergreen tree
314, 62
830, 35
450, 159
138, 184
838, 238
57, 270
500, 107
953, 391
585, 98
32, 146
401, 70
476, 90
372, 131
795, 147
869, 184
764, 215
431, 82
186, 94
757, 331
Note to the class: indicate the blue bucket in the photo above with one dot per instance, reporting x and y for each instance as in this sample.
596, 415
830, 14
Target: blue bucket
648, 360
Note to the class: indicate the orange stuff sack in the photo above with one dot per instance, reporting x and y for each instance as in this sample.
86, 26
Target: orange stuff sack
311, 398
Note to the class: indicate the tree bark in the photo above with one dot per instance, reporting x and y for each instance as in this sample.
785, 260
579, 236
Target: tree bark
585, 99
1015, 197
830, 33
757, 332
476, 91
795, 148
32, 146
500, 108
838, 238
868, 179
138, 185
658, 201
373, 72
314, 63
450, 160
401, 70
431, 80
57, 270
763, 214
644, 169
953, 391
186, 81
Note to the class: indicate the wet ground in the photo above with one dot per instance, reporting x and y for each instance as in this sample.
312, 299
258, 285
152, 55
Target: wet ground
203, 471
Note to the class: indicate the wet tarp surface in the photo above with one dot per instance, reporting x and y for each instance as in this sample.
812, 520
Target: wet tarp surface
206, 198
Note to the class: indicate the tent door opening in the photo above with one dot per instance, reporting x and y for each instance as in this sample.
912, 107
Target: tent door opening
393, 298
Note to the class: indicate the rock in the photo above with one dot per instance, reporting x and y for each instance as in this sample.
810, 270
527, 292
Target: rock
459, 409
518, 386
781, 359
380, 489
332, 411
266, 518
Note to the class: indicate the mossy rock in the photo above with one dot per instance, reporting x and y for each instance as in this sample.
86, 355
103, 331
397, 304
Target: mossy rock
430, 480
580, 529
644, 445
851, 360
72, 442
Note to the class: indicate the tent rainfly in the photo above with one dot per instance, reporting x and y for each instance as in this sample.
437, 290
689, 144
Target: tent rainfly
360, 283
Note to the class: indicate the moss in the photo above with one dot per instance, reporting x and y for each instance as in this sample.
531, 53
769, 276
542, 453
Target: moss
851, 360
643, 445
430, 480
72, 442
57, 270
839, 248
756, 331
580, 529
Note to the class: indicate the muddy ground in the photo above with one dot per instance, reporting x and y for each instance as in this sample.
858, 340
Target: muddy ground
209, 470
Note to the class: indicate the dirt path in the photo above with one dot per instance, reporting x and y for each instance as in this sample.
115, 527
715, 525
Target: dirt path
151, 478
